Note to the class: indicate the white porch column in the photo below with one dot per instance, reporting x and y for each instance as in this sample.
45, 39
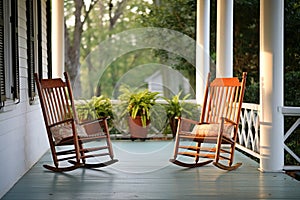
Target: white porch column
202, 48
58, 41
271, 85
224, 38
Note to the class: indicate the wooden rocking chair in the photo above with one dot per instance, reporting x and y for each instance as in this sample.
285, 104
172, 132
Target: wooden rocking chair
67, 138
213, 138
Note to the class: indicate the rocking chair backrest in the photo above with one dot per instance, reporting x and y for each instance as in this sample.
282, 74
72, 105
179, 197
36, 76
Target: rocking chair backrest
56, 100
223, 98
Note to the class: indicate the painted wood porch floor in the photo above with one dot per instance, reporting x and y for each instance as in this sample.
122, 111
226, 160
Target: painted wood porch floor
143, 172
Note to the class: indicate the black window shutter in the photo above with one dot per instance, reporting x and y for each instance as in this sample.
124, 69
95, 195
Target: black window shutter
2, 70
49, 40
15, 49
40, 47
30, 48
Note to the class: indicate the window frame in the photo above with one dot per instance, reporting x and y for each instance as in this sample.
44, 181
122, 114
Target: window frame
9, 53
34, 44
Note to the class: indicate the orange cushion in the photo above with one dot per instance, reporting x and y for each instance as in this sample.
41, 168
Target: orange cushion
61, 132
212, 130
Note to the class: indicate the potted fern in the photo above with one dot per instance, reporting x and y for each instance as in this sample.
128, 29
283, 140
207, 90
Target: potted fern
137, 105
97, 107
175, 107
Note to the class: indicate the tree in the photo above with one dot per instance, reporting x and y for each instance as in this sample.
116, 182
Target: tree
105, 21
292, 52
73, 34
179, 15
292, 73
246, 45
77, 20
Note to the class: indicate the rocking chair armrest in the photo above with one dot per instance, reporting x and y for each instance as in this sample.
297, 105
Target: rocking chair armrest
228, 120
190, 121
94, 121
61, 122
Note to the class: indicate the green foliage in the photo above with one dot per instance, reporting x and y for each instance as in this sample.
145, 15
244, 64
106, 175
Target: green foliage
137, 103
179, 15
127, 66
95, 108
292, 73
252, 91
246, 45
175, 107
291, 88
292, 36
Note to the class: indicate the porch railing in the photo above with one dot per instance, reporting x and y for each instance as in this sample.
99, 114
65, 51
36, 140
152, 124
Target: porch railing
295, 112
249, 134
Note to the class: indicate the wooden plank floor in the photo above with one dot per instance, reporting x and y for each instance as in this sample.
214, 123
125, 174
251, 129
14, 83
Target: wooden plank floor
143, 172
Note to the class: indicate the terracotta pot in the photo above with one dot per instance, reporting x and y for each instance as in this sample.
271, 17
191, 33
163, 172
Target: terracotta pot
173, 125
136, 128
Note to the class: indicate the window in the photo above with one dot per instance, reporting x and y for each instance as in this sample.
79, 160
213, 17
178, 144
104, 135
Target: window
34, 42
9, 60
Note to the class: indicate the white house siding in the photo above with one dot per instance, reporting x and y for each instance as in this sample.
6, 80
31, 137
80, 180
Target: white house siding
22, 134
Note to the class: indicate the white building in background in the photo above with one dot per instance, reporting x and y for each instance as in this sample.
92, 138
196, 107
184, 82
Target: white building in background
168, 82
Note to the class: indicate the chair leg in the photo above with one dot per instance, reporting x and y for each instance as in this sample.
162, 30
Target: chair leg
229, 167
232, 149
54, 156
218, 150
198, 151
56, 167
82, 154
108, 141
176, 146
77, 149
110, 149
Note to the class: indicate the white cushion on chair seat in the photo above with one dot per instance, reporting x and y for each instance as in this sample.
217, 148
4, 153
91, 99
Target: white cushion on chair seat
212, 130
61, 132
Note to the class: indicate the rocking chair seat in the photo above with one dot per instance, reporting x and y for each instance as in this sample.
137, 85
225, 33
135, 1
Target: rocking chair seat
212, 130
65, 131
